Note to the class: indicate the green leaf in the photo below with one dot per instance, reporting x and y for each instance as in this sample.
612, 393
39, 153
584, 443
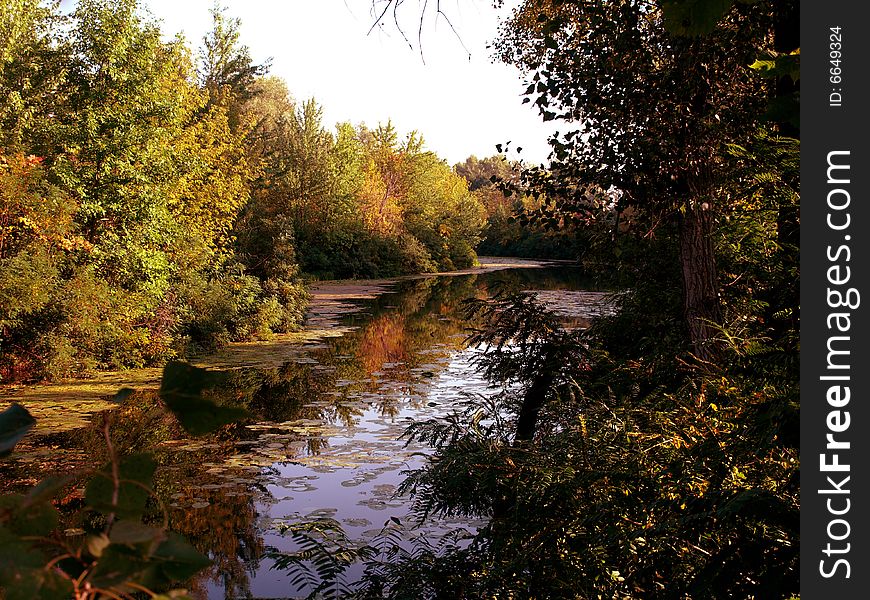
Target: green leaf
16, 553
181, 389
694, 17
121, 564
173, 560
27, 519
179, 560
22, 572
779, 66
37, 584
15, 422
135, 471
130, 533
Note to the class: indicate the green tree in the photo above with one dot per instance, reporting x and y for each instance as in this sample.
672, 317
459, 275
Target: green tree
656, 110
31, 70
226, 66
440, 211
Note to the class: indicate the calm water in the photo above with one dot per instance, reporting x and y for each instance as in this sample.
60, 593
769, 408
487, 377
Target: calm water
326, 441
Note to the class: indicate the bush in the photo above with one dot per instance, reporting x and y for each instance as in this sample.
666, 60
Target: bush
355, 253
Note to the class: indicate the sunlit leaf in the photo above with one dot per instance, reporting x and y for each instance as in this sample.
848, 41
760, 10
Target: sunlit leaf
779, 66
97, 543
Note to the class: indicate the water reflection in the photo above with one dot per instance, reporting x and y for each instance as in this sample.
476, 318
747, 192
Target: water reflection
325, 439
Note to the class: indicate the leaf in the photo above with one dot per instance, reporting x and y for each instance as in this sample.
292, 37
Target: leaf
22, 572
97, 543
16, 553
173, 560
179, 560
694, 17
122, 395
46, 490
23, 518
15, 422
779, 66
131, 533
121, 564
37, 584
135, 471
181, 389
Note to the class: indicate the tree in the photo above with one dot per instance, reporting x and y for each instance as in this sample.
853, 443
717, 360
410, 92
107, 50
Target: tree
655, 110
31, 69
309, 173
440, 211
386, 176
127, 102
226, 66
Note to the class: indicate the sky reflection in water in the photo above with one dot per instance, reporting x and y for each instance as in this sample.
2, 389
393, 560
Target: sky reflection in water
326, 441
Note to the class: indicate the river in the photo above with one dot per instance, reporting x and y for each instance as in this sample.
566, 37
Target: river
331, 403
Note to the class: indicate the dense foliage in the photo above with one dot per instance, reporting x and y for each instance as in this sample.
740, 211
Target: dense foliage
653, 455
154, 204
656, 454
503, 235
361, 203
118, 544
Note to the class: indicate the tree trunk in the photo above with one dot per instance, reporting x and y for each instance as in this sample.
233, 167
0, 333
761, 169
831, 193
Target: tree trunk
527, 423
533, 402
701, 307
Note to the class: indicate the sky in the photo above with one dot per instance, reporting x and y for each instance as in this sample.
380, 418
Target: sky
323, 49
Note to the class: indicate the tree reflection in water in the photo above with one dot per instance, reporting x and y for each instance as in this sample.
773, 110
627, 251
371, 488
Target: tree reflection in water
326, 427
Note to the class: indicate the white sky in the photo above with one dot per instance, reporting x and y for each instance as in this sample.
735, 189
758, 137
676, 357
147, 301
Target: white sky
322, 48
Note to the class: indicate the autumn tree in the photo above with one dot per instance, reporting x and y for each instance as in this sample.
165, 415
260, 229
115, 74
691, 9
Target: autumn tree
441, 212
123, 182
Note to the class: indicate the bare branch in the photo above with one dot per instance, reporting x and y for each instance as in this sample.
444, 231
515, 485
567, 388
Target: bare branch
381, 16
380, 9
440, 12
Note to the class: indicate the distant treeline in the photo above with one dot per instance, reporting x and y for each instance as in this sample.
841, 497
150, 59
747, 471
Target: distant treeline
157, 200
503, 234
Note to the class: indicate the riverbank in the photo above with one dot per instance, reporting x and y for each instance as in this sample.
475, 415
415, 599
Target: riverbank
68, 404
328, 410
